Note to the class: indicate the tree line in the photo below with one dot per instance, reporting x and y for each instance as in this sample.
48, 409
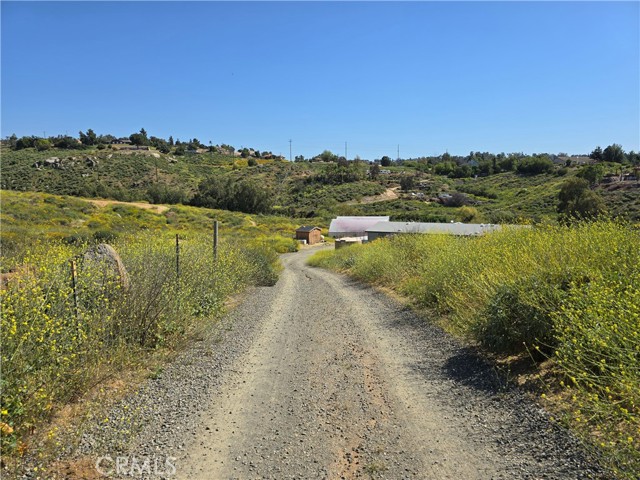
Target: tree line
90, 139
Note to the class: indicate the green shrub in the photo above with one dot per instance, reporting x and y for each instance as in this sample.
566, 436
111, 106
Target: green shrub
571, 292
53, 349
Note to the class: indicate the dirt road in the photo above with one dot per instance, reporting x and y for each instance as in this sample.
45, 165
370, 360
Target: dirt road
340, 382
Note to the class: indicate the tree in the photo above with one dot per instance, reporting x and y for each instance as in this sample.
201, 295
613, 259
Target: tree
226, 193
633, 157
252, 162
374, 171
385, 161
25, 142
170, 140
613, 153
461, 171
407, 182
596, 154
535, 165
42, 144
577, 201
66, 142
88, 139
11, 141
164, 148
328, 156
137, 139
592, 173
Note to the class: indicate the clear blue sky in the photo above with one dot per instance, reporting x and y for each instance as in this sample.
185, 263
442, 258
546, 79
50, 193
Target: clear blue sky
508, 76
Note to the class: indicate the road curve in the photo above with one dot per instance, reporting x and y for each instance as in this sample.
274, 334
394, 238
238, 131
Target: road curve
339, 381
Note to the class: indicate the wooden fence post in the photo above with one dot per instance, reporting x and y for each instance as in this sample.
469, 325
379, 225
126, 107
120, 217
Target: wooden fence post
215, 241
74, 285
177, 256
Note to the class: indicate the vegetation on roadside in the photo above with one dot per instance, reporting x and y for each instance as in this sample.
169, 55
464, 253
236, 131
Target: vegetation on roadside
55, 350
569, 293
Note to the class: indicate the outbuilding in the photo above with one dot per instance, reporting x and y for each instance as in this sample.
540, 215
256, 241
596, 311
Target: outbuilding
384, 229
310, 234
353, 226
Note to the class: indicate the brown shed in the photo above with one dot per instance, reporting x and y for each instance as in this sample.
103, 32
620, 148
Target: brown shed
311, 234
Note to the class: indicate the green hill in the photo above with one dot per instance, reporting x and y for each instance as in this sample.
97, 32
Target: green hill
306, 189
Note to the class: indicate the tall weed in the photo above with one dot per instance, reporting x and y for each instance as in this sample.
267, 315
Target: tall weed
57, 344
571, 292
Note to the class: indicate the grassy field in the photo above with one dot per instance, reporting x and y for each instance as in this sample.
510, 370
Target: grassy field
564, 299
57, 351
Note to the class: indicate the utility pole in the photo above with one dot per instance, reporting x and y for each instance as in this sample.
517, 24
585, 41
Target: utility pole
289, 149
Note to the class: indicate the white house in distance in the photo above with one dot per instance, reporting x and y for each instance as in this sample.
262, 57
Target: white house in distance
341, 227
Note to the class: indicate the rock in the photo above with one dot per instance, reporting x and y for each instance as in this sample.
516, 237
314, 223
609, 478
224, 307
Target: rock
107, 256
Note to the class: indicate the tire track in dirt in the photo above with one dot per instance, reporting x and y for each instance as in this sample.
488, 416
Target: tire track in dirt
342, 382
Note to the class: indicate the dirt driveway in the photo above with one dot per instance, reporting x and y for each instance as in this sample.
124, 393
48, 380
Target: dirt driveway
341, 382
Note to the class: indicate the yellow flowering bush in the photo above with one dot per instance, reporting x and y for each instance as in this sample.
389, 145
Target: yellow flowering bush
57, 342
570, 291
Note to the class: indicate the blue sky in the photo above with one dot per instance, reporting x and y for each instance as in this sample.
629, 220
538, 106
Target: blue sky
428, 76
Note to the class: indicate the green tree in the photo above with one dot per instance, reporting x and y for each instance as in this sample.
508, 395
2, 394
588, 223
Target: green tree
577, 201
328, 156
88, 139
25, 142
613, 153
535, 165
226, 193
592, 173
596, 154
374, 171
42, 144
11, 141
385, 161
407, 182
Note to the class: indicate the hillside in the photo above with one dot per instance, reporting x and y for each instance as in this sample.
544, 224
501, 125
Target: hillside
307, 190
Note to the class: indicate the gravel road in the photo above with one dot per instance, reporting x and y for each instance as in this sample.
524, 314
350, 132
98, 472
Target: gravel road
321, 377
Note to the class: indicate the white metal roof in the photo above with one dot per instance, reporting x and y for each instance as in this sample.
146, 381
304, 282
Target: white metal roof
449, 228
353, 226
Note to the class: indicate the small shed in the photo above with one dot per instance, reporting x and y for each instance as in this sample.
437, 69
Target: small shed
311, 234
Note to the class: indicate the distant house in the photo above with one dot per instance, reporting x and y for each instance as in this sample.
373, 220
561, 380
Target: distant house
311, 235
353, 226
384, 229
122, 141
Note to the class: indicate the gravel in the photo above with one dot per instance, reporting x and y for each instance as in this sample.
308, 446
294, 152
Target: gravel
321, 377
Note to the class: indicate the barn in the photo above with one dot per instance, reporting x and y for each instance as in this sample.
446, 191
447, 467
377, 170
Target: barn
310, 234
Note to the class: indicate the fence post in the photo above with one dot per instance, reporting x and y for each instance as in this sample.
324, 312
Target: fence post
215, 240
177, 256
74, 285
